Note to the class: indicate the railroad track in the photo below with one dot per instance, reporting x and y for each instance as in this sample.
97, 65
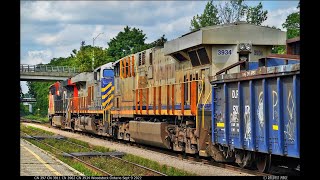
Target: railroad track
123, 160
151, 171
30, 121
175, 154
203, 160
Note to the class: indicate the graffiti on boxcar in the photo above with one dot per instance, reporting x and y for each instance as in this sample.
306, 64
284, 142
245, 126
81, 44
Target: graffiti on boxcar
274, 105
247, 134
260, 113
234, 120
219, 117
291, 124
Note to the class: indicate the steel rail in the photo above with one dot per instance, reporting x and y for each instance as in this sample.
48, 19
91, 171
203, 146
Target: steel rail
173, 154
143, 167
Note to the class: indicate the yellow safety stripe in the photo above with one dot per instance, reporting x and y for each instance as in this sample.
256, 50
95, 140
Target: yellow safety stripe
107, 101
105, 88
109, 92
109, 106
42, 161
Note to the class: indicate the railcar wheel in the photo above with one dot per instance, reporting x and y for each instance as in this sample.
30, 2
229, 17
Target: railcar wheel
263, 162
244, 159
240, 160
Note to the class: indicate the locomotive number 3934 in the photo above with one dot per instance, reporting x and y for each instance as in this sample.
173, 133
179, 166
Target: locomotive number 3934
224, 52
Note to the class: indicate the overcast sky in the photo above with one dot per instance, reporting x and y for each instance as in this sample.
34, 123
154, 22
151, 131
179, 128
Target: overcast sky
53, 29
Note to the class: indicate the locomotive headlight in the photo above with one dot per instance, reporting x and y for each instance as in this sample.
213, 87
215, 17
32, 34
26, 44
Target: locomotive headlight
248, 47
242, 47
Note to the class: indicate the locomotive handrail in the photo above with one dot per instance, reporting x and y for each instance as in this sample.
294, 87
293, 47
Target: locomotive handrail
169, 84
47, 68
199, 94
204, 106
83, 106
229, 67
197, 124
285, 56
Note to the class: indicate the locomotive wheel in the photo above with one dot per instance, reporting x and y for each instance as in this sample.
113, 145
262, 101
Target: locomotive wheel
184, 155
263, 162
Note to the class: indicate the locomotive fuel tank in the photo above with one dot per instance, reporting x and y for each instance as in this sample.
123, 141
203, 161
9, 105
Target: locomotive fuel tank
57, 121
85, 123
151, 133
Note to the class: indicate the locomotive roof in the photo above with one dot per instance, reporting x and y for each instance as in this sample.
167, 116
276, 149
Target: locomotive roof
232, 33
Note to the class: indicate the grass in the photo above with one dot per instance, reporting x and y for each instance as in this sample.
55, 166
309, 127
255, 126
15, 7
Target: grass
168, 170
117, 167
111, 165
34, 131
37, 118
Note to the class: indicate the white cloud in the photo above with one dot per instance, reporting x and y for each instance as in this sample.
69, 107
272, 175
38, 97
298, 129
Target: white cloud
37, 57
43, 11
60, 26
67, 35
106, 12
278, 17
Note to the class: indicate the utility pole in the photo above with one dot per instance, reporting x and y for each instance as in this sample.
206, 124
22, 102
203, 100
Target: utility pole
93, 39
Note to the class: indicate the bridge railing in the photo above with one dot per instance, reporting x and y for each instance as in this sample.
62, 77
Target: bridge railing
28, 100
47, 68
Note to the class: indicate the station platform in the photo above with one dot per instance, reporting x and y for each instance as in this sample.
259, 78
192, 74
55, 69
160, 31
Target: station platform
36, 162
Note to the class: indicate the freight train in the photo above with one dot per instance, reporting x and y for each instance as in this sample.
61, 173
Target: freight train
215, 92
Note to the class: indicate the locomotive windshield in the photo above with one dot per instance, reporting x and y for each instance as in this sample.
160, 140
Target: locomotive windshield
107, 73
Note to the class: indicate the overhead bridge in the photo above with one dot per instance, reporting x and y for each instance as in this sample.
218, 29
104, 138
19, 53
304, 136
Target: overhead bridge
28, 100
46, 72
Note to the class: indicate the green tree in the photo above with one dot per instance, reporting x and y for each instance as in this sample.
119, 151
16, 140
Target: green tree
61, 61
228, 12
39, 90
280, 49
24, 110
208, 18
83, 43
158, 42
232, 11
256, 15
127, 42
292, 24
83, 58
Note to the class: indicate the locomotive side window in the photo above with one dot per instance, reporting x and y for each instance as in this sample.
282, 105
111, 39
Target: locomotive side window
116, 71
150, 58
127, 68
89, 95
117, 102
186, 87
143, 58
92, 93
194, 58
189, 86
203, 56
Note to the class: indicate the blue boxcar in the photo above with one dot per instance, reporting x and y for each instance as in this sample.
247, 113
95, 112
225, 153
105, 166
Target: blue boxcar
277, 61
258, 110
